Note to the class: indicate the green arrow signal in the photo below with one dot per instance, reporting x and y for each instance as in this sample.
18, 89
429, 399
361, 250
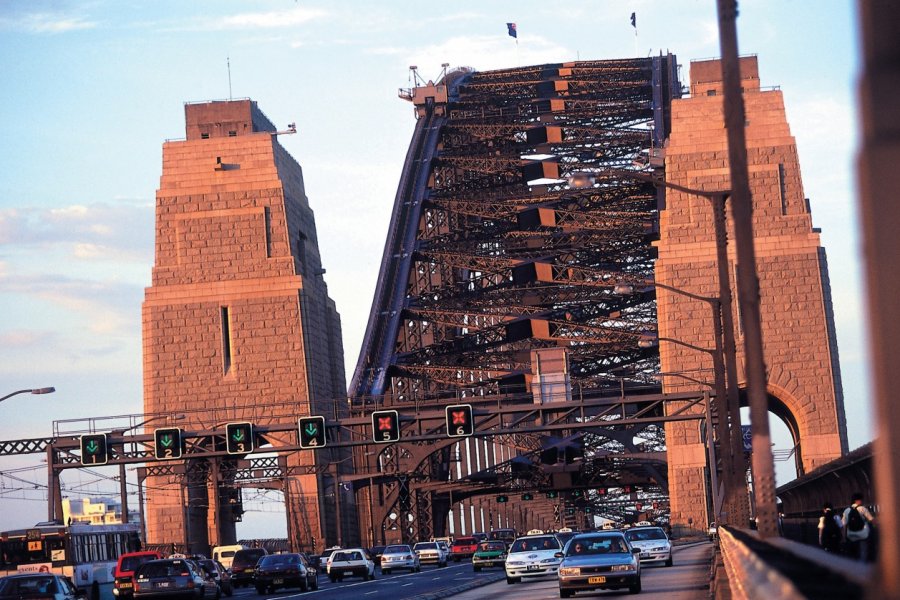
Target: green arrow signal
238, 435
311, 430
92, 447
167, 440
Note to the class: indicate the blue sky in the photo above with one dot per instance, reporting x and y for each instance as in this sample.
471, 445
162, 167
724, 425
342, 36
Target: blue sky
91, 89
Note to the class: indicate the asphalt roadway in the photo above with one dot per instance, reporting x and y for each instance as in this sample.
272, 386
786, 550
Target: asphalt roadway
687, 579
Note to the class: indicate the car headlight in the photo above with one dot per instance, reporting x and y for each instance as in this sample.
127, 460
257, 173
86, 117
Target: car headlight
659, 549
515, 563
615, 568
549, 560
569, 571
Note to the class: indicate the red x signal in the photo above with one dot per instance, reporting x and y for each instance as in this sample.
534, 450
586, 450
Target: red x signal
384, 423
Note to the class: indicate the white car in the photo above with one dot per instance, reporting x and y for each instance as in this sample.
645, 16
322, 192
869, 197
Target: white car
532, 556
653, 543
431, 553
350, 562
399, 556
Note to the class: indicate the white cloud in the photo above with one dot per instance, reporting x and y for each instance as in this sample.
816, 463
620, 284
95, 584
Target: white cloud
49, 23
264, 20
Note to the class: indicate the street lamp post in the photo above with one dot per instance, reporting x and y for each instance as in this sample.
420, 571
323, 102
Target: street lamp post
733, 459
45, 390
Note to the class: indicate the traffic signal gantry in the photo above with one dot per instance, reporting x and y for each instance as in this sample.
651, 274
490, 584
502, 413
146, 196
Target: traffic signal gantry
385, 426
459, 420
312, 432
94, 449
239, 438
168, 443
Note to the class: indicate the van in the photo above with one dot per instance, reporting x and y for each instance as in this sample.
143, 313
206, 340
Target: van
225, 554
243, 565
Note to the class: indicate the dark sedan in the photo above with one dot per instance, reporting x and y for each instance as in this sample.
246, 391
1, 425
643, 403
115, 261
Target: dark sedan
173, 578
285, 571
45, 586
599, 561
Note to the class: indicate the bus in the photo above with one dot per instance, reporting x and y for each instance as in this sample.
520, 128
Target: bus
86, 553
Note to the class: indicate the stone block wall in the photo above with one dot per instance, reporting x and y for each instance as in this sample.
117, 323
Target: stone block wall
798, 330
237, 324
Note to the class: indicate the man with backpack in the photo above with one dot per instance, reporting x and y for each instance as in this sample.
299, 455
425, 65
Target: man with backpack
856, 520
830, 530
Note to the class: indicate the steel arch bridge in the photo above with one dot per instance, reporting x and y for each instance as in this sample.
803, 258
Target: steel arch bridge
513, 223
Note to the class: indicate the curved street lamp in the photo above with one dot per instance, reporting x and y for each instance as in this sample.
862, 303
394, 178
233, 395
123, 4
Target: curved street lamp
45, 390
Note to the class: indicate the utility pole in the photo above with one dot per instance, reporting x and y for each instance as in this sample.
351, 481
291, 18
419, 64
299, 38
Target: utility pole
747, 280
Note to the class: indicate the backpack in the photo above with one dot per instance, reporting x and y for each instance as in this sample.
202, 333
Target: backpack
831, 530
855, 521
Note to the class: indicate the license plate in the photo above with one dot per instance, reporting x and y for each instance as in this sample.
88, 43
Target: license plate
596, 579
645, 555
162, 584
277, 581
123, 586
532, 568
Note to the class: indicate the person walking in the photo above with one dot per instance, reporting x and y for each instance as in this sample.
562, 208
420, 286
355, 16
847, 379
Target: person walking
830, 530
857, 522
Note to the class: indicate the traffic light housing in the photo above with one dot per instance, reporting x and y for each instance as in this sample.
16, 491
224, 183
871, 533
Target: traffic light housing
239, 438
94, 449
552, 494
502, 499
312, 432
385, 426
167, 443
527, 496
460, 422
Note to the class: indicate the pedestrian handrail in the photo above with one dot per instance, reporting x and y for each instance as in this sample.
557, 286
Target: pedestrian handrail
780, 568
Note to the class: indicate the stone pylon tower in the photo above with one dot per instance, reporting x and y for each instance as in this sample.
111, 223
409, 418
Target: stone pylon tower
237, 324
798, 325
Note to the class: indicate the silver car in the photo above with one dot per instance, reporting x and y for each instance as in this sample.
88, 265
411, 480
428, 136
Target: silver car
399, 556
599, 561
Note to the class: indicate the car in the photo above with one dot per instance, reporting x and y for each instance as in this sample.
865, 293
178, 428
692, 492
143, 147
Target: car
243, 565
564, 535
653, 543
600, 560
489, 553
46, 586
284, 571
431, 553
350, 562
173, 578
532, 556
219, 573
399, 556
463, 547
123, 575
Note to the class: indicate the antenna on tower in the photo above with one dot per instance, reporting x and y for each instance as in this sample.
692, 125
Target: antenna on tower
228, 62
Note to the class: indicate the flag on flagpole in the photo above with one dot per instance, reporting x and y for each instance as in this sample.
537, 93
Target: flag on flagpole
511, 30
634, 20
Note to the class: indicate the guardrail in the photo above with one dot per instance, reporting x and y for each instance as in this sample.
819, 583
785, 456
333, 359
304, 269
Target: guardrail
780, 568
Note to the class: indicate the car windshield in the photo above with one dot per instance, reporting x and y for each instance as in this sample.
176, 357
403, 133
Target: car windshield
426, 546
247, 558
545, 542
464, 542
278, 559
166, 568
340, 556
597, 545
25, 586
131, 563
637, 534
397, 550
491, 546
